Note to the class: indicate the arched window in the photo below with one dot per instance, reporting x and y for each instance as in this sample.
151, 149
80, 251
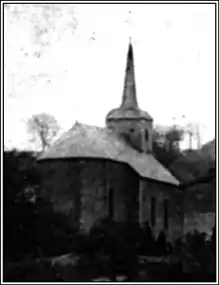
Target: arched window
153, 211
111, 203
146, 135
166, 218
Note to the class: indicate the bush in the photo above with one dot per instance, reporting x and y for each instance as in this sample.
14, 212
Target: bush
36, 230
108, 252
29, 271
199, 253
114, 248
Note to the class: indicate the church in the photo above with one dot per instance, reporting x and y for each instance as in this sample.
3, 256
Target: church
92, 172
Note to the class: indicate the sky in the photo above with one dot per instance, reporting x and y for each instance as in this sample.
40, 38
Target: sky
76, 70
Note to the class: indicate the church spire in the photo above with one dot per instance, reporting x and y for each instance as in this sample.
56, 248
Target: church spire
129, 93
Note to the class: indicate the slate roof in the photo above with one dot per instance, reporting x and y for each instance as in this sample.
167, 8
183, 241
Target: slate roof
94, 142
128, 113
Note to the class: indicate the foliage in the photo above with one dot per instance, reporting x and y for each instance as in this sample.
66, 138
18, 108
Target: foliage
196, 250
112, 253
30, 226
168, 136
20, 171
189, 166
186, 165
29, 271
192, 165
199, 252
166, 156
112, 248
43, 127
174, 135
33, 230
166, 145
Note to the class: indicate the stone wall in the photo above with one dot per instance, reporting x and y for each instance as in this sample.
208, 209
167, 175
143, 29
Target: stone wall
61, 185
80, 189
161, 192
125, 182
137, 132
186, 213
97, 179
93, 193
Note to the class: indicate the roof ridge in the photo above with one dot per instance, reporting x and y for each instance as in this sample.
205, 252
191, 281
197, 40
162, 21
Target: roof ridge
81, 124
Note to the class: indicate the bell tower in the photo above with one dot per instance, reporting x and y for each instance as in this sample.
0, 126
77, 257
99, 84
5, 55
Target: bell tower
128, 120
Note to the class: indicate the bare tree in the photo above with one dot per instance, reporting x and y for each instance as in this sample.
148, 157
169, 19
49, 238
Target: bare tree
43, 128
193, 132
168, 137
174, 136
198, 136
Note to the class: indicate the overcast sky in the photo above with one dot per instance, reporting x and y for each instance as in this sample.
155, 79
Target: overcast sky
79, 75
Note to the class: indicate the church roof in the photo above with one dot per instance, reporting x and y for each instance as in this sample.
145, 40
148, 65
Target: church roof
84, 141
129, 107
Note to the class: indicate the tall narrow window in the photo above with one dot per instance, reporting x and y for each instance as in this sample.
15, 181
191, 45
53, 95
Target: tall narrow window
166, 221
111, 204
153, 211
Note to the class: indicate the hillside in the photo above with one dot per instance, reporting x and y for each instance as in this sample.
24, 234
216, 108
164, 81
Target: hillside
193, 164
209, 149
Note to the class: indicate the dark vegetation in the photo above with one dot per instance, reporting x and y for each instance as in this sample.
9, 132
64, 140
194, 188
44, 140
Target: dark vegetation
195, 169
32, 233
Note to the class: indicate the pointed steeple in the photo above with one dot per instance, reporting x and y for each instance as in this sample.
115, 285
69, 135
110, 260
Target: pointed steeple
129, 106
129, 98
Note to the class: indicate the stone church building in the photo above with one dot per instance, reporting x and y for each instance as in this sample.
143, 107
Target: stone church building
92, 172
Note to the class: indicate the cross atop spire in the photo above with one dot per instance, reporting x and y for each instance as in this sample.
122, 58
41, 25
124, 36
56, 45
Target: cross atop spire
129, 94
129, 108
129, 22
